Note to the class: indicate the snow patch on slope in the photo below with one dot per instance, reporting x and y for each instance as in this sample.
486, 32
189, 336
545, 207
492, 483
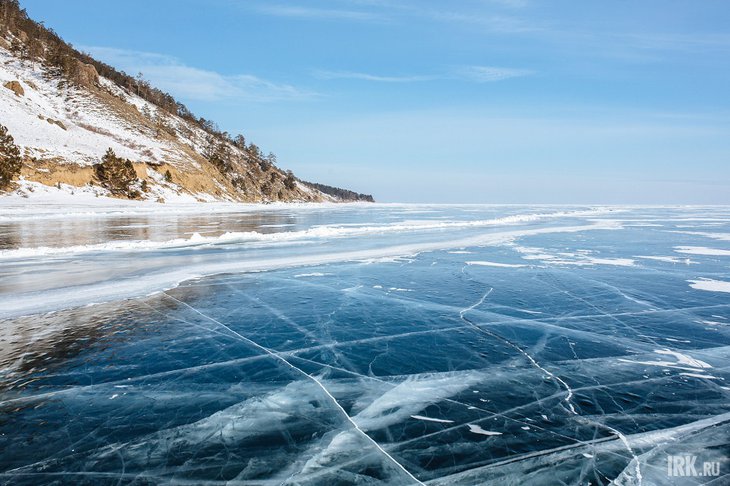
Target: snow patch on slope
90, 127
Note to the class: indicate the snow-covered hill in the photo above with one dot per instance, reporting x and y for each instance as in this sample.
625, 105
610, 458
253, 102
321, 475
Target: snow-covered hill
63, 129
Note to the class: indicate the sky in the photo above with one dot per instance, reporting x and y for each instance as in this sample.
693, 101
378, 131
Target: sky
463, 101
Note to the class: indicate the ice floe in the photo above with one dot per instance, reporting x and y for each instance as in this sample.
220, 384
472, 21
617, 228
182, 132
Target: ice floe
710, 285
702, 250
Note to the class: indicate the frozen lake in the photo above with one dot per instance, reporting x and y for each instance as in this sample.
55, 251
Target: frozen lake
358, 344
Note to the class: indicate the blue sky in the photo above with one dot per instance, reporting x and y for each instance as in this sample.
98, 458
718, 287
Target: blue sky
496, 101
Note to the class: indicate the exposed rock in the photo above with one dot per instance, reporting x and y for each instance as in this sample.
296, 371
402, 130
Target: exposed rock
198, 159
86, 75
56, 122
15, 87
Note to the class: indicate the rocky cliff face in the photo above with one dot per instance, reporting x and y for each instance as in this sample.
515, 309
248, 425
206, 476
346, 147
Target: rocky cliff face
63, 129
65, 114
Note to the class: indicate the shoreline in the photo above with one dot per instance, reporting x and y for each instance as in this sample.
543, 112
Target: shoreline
16, 305
48, 202
54, 205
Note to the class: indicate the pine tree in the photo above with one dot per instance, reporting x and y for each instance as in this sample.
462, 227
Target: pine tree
290, 182
271, 158
117, 175
10, 161
109, 157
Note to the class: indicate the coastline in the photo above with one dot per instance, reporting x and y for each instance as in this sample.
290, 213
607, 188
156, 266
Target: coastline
46, 202
165, 275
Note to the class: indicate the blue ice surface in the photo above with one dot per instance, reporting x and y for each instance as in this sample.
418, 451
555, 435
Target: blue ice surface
384, 345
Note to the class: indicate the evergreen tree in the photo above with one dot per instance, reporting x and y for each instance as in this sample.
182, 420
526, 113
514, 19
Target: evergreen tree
10, 161
290, 182
218, 154
109, 156
342, 194
254, 151
117, 175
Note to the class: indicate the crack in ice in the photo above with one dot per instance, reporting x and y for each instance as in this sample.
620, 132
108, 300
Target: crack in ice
307, 375
532, 360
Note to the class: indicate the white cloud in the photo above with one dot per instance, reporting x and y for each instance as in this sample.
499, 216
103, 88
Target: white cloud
477, 74
384, 11
316, 13
170, 74
372, 77
487, 74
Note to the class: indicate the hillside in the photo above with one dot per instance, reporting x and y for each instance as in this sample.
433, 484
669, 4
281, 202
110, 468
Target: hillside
65, 110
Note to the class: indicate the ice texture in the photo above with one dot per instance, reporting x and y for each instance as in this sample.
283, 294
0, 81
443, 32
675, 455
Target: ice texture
389, 344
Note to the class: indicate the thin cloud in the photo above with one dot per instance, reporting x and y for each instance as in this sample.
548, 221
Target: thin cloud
170, 74
316, 13
499, 24
372, 77
510, 3
476, 74
489, 74
381, 11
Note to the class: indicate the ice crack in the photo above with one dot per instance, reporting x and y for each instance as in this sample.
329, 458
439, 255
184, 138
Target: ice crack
307, 375
568, 389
